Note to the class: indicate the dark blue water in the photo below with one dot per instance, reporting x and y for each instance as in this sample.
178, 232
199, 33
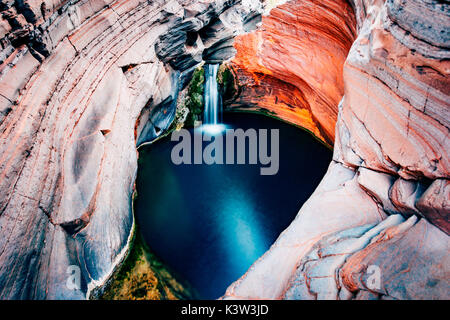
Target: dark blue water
209, 223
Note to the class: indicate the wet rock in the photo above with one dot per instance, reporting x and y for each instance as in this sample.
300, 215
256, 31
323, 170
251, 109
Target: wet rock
81, 84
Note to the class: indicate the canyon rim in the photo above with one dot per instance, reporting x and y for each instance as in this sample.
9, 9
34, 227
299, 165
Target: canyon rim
84, 83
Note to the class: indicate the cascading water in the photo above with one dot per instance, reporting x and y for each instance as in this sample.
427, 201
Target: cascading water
212, 100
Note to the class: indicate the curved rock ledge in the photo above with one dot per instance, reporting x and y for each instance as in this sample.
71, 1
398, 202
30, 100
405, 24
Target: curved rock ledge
292, 66
391, 163
81, 83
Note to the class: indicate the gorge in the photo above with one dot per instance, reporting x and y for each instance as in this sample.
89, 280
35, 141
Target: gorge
83, 83
211, 222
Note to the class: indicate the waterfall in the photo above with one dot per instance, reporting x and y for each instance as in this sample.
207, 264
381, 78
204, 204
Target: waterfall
211, 115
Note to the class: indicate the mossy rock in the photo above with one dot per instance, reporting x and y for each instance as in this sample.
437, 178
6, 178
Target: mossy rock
143, 277
194, 97
226, 81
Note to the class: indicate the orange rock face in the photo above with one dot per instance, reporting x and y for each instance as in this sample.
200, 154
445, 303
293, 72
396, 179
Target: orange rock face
378, 225
292, 66
80, 82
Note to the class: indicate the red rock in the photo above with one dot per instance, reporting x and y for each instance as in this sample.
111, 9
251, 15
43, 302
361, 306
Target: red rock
392, 133
81, 82
413, 264
72, 112
292, 66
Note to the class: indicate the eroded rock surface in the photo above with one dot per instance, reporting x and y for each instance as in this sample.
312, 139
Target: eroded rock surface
81, 82
292, 66
377, 227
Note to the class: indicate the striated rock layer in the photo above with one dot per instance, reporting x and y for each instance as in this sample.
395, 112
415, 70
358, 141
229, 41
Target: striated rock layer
80, 83
377, 227
292, 66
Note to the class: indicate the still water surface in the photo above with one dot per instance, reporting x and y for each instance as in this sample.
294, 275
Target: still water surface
209, 223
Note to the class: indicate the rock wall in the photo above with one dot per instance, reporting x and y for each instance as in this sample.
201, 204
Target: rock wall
377, 227
81, 82
292, 66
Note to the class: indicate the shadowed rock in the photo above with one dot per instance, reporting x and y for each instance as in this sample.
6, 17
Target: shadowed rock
391, 159
82, 83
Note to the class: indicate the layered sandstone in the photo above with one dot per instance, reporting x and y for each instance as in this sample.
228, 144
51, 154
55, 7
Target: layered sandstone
291, 67
81, 82
383, 208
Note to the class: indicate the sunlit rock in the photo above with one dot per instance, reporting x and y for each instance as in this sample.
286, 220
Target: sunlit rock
392, 136
81, 84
